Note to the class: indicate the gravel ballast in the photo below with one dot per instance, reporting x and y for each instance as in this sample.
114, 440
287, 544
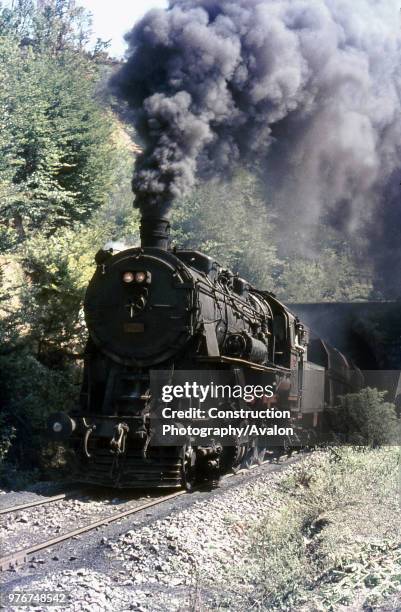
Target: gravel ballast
285, 538
199, 557
32, 525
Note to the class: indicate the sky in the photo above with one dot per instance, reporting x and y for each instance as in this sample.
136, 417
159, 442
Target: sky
112, 18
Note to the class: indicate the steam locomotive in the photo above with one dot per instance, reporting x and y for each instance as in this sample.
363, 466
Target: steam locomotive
153, 309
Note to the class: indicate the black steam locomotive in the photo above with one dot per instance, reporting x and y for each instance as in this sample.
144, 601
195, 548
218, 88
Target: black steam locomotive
152, 309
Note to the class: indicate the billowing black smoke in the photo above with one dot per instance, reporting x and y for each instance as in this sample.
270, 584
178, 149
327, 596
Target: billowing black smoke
310, 89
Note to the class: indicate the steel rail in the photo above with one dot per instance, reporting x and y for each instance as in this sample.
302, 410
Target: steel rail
39, 502
21, 556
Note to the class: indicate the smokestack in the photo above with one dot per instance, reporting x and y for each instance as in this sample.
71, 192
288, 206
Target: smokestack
155, 233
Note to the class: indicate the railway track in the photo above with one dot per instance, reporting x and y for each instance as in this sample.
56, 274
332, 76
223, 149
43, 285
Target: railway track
40, 502
19, 557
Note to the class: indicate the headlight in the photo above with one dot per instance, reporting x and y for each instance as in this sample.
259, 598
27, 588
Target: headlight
140, 277
60, 426
128, 277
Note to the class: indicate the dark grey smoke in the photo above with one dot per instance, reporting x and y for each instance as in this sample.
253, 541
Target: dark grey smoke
309, 90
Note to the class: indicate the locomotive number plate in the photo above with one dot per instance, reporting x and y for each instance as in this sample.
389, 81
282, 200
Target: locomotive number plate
134, 328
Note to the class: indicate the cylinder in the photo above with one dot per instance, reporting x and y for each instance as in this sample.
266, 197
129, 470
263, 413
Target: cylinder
246, 347
155, 233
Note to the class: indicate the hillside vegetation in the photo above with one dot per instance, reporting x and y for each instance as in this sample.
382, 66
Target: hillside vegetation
332, 539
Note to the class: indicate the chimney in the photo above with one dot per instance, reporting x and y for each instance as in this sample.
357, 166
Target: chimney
155, 233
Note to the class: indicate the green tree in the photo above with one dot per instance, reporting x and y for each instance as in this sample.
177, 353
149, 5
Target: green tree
231, 222
50, 26
331, 276
56, 149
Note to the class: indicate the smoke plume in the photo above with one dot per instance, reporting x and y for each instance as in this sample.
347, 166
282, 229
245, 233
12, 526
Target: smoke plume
306, 90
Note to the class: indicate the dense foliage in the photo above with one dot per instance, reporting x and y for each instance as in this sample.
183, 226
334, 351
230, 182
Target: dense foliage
233, 222
62, 158
365, 418
56, 140
66, 161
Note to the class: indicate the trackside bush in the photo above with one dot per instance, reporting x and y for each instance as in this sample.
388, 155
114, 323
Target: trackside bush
365, 418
